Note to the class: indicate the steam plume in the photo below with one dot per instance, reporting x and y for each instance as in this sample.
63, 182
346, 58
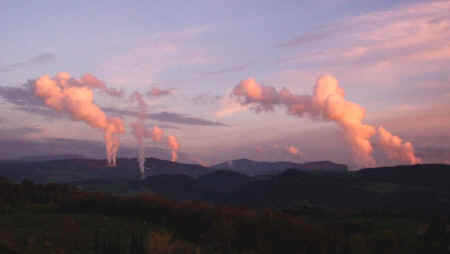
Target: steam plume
293, 150
174, 146
66, 94
327, 102
139, 130
395, 148
157, 134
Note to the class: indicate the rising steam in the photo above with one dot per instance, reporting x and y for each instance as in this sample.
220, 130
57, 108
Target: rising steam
139, 130
157, 134
293, 150
395, 148
327, 102
174, 146
66, 94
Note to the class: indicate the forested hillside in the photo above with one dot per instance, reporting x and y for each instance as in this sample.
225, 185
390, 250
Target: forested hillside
56, 218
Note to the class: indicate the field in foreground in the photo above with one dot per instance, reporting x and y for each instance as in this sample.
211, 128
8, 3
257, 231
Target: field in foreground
56, 218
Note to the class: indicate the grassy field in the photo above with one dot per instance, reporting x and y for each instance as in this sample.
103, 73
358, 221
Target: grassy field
61, 219
37, 231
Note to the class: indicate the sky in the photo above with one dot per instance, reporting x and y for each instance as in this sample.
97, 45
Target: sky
187, 58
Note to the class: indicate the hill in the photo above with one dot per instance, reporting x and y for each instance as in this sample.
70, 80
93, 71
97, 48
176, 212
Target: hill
377, 188
74, 168
427, 175
316, 184
34, 215
213, 187
253, 168
51, 157
80, 169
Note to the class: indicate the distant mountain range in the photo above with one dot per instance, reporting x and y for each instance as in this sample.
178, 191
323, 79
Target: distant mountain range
422, 187
43, 170
51, 157
253, 168
69, 168
250, 183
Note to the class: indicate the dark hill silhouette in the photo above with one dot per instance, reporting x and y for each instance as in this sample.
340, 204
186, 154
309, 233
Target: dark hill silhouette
428, 175
156, 166
253, 168
222, 181
51, 157
369, 189
213, 187
402, 187
43, 169
80, 169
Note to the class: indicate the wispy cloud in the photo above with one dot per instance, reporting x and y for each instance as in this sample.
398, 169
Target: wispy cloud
413, 33
229, 106
21, 96
170, 117
40, 59
159, 53
23, 99
164, 126
183, 119
381, 48
17, 132
306, 38
235, 68
158, 92
206, 99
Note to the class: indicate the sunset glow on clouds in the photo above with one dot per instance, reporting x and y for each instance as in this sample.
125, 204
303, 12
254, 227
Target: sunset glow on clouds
228, 78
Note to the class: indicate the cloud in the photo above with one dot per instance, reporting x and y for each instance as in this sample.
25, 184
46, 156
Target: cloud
434, 153
410, 34
16, 148
157, 54
306, 38
18, 132
157, 92
90, 81
93, 82
44, 112
327, 102
206, 99
228, 107
168, 117
428, 118
40, 59
61, 94
21, 96
164, 126
23, 99
183, 119
230, 69
19, 147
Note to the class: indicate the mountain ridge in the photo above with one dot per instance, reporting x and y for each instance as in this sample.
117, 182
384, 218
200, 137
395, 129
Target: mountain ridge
253, 168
